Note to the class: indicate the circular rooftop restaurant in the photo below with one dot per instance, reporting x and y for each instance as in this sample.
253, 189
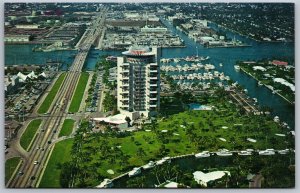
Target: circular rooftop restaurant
138, 51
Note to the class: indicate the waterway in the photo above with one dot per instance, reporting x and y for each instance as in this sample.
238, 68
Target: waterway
229, 56
188, 165
22, 54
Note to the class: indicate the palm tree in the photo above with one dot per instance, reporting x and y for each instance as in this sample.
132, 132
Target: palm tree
140, 152
137, 182
128, 121
156, 171
143, 123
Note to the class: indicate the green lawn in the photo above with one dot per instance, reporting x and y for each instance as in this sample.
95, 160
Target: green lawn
77, 97
60, 155
186, 132
67, 127
29, 133
51, 95
10, 166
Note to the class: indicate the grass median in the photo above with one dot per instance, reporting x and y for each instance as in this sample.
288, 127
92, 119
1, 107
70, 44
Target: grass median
67, 127
51, 95
10, 166
77, 97
29, 133
60, 155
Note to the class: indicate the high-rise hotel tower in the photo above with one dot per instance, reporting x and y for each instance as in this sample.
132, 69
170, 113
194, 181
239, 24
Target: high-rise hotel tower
139, 81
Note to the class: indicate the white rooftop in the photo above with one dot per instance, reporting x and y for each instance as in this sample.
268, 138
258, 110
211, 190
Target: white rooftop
171, 185
259, 68
116, 119
211, 176
284, 82
251, 140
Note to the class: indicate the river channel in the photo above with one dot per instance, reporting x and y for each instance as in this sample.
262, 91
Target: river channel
23, 54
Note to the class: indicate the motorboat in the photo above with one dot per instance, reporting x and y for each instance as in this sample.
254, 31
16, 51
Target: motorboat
134, 172
284, 151
107, 183
149, 165
237, 67
163, 160
224, 152
202, 154
244, 153
267, 152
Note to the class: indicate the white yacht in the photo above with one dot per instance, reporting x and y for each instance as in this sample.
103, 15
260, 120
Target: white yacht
107, 183
163, 160
244, 153
224, 152
149, 165
267, 152
255, 100
176, 60
237, 67
202, 154
284, 151
134, 172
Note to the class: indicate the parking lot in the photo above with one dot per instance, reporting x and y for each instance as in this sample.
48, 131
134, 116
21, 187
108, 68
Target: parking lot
22, 102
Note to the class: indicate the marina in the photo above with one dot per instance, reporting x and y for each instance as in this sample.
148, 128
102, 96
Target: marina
188, 161
264, 96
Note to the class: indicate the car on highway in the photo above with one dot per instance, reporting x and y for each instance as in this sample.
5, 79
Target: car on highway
35, 162
20, 173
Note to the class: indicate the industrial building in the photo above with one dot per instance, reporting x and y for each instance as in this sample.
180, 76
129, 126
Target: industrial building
147, 29
17, 38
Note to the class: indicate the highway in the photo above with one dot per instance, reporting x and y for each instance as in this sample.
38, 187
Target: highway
32, 166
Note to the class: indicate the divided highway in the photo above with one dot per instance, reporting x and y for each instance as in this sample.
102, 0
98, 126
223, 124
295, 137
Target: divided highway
31, 168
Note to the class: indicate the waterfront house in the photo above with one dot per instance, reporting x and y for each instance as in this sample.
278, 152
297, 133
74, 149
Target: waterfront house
205, 178
115, 121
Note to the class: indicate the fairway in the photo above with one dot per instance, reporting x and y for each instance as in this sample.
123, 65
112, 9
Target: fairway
10, 166
29, 133
77, 97
60, 155
67, 127
188, 132
51, 95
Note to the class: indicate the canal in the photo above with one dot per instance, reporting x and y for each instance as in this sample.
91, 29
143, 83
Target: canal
22, 54
229, 56
155, 176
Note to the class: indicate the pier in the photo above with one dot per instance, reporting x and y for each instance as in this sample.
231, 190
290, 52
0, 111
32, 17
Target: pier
245, 103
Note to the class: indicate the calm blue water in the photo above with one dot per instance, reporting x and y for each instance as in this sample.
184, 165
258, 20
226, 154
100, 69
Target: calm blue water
22, 54
229, 56
194, 106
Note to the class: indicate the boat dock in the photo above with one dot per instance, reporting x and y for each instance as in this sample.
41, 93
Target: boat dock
246, 103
